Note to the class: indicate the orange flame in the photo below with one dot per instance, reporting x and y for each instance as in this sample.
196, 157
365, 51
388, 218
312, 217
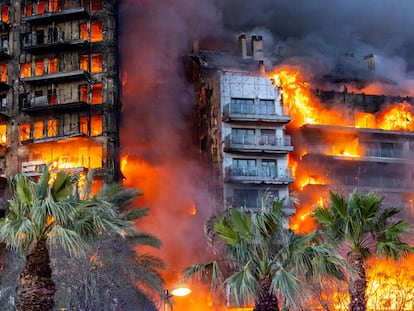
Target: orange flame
397, 118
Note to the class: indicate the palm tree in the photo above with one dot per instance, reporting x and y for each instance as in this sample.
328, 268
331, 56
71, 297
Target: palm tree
51, 212
362, 226
262, 260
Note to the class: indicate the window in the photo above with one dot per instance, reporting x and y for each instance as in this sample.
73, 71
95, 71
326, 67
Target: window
3, 68
52, 66
41, 7
268, 137
52, 96
51, 128
268, 168
3, 133
244, 167
5, 13
96, 31
242, 105
248, 198
96, 93
39, 65
38, 130
96, 5
40, 37
266, 106
25, 70
242, 136
83, 125
96, 125
24, 132
96, 63
53, 6
27, 10
83, 93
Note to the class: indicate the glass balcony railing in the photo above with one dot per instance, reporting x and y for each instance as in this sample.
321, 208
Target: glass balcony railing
258, 142
258, 173
256, 111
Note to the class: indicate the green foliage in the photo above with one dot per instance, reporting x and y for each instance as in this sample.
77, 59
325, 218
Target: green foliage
258, 246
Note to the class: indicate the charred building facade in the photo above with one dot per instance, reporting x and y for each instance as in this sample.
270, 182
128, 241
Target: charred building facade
59, 87
336, 139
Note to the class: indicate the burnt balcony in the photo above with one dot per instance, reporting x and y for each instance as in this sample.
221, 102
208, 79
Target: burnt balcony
254, 112
259, 143
57, 17
36, 167
55, 42
258, 175
4, 50
58, 77
40, 104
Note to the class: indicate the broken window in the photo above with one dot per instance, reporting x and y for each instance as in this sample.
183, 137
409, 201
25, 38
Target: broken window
5, 13
24, 132
83, 125
83, 62
3, 68
51, 128
25, 70
96, 5
96, 93
52, 96
41, 7
96, 125
83, 93
38, 130
27, 10
52, 65
3, 133
96, 63
53, 5
83, 31
96, 31
39, 65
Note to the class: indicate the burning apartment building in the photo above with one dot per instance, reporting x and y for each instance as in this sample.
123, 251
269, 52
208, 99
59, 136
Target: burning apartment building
59, 87
242, 124
270, 131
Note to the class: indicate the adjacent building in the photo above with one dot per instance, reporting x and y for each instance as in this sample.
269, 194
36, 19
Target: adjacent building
59, 87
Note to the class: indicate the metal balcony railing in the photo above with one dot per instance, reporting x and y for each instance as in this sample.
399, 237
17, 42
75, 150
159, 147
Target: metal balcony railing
51, 102
259, 173
258, 142
255, 112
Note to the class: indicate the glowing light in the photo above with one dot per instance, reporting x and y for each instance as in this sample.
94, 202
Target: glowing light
180, 290
397, 118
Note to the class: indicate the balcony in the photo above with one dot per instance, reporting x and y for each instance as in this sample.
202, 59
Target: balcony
254, 112
40, 104
57, 17
35, 168
260, 143
58, 77
55, 42
257, 175
4, 50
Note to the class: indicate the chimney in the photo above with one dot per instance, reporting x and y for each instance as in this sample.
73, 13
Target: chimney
262, 69
243, 46
257, 48
370, 61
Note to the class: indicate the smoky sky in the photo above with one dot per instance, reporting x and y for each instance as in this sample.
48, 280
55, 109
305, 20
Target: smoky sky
378, 26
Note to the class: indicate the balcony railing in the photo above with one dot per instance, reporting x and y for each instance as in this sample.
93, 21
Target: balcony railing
258, 174
269, 143
374, 182
58, 77
35, 168
55, 42
255, 112
50, 102
56, 17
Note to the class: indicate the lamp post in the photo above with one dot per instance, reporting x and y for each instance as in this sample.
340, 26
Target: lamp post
178, 290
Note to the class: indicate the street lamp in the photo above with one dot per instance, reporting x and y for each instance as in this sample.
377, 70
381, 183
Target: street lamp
180, 290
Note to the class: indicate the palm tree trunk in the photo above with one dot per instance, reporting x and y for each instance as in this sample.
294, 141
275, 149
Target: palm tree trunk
267, 301
36, 288
358, 284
